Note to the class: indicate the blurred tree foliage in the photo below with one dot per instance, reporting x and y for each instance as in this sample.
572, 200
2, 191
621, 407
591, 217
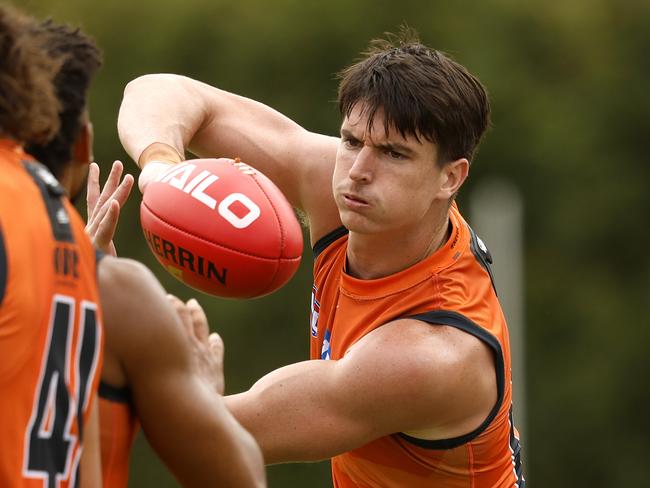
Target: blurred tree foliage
568, 81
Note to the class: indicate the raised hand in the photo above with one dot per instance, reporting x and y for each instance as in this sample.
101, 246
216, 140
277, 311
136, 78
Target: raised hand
104, 206
207, 347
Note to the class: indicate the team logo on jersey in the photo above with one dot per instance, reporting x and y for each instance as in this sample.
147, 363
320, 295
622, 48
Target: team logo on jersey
315, 310
326, 350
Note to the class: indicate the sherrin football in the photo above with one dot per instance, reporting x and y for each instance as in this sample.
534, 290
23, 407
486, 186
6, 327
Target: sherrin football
222, 227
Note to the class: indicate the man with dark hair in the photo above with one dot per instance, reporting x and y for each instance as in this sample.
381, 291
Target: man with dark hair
50, 329
409, 381
72, 144
150, 372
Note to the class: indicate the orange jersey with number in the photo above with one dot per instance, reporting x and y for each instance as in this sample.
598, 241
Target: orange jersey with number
50, 332
452, 287
118, 428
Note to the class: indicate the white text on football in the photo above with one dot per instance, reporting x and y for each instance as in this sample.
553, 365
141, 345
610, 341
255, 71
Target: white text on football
178, 177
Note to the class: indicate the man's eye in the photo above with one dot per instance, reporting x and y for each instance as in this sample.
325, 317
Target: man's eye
352, 143
395, 155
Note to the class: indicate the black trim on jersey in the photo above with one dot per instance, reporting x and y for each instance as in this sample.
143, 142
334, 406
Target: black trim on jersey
327, 239
515, 446
455, 319
88, 356
484, 257
114, 393
4, 265
52, 192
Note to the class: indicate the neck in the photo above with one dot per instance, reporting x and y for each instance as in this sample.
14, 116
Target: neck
372, 256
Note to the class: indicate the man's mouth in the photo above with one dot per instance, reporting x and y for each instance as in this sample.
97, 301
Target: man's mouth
354, 200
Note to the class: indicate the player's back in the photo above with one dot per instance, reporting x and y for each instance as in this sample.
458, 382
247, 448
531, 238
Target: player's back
50, 333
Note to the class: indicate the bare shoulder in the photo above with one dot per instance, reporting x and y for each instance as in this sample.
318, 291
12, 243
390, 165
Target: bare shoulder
447, 376
136, 312
130, 290
115, 273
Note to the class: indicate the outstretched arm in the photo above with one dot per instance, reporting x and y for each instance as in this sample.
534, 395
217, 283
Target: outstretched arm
184, 114
316, 409
182, 416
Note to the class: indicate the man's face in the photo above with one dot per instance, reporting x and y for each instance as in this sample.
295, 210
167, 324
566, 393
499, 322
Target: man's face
82, 156
383, 182
79, 184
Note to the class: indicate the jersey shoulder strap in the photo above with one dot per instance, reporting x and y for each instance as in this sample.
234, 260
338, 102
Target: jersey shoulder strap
52, 193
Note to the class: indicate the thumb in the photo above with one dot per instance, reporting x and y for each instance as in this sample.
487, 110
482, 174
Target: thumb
152, 171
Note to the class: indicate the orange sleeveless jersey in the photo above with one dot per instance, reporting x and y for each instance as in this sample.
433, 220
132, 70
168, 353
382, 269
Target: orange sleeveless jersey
452, 287
50, 332
118, 428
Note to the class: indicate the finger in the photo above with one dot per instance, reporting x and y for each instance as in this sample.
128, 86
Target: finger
215, 341
98, 219
123, 190
216, 345
112, 182
93, 223
92, 189
182, 312
199, 320
106, 229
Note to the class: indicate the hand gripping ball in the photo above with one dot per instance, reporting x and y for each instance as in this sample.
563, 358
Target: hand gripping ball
221, 227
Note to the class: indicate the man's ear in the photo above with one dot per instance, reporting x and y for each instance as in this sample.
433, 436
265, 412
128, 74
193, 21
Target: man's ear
82, 150
453, 176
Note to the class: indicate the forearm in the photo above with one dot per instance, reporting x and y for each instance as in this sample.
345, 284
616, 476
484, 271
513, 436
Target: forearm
297, 414
196, 437
240, 458
159, 108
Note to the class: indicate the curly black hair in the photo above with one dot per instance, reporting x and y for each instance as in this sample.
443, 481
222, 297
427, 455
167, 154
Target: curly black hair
81, 61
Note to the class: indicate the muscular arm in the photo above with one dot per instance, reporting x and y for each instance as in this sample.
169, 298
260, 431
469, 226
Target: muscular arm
183, 418
190, 115
444, 387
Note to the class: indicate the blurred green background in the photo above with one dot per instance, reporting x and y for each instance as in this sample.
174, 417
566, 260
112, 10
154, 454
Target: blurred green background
569, 87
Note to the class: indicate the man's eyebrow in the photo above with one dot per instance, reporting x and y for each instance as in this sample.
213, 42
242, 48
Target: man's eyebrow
385, 146
397, 147
347, 134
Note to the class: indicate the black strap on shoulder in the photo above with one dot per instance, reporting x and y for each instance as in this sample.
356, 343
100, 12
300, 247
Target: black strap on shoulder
327, 239
482, 254
52, 193
4, 267
455, 319
114, 393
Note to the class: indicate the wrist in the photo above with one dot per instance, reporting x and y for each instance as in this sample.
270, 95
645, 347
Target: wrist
159, 152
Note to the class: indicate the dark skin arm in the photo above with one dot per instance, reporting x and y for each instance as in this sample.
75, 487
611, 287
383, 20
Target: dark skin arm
182, 415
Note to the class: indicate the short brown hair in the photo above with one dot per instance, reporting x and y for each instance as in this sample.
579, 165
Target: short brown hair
29, 108
422, 92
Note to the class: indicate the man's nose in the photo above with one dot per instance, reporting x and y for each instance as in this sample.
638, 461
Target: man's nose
363, 167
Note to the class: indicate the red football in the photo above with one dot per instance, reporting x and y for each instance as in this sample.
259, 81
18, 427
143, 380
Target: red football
222, 227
